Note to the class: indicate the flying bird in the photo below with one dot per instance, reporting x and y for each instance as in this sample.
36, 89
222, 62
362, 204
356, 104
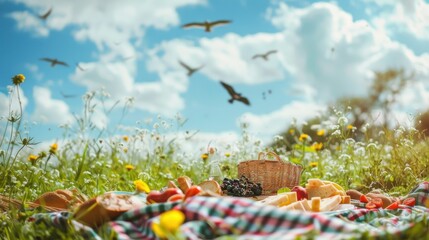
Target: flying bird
68, 95
46, 15
265, 55
54, 62
190, 69
80, 67
206, 25
234, 95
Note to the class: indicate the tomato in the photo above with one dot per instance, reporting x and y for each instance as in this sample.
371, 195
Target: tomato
176, 197
159, 197
393, 206
192, 191
377, 201
371, 205
411, 202
363, 198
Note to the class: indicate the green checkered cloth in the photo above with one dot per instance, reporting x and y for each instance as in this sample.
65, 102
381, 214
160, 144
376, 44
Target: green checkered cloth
240, 218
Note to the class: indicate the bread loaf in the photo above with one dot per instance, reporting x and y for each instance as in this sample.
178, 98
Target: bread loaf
212, 186
184, 183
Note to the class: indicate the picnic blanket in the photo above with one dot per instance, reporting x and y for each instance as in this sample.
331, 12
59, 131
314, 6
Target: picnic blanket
241, 218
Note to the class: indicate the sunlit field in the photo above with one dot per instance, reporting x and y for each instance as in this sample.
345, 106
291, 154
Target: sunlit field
392, 160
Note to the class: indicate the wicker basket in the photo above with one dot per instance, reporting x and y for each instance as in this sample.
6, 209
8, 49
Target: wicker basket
272, 174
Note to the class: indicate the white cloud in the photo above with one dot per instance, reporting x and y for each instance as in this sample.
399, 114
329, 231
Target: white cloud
102, 21
409, 16
28, 21
227, 58
268, 125
49, 110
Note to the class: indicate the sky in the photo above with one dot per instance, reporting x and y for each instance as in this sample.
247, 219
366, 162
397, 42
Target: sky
129, 51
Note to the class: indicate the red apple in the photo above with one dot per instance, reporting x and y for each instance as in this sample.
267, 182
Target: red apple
301, 192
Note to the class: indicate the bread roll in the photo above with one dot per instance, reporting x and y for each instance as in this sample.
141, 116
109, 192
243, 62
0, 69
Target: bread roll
184, 183
212, 186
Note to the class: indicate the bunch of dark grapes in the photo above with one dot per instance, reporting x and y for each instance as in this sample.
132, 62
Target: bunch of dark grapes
241, 187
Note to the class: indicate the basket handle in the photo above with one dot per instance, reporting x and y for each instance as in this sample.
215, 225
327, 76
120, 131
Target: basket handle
276, 157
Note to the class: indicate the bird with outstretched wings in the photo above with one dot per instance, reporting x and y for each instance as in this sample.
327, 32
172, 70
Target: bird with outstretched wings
206, 25
80, 67
46, 15
264, 55
234, 95
190, 69
54, 62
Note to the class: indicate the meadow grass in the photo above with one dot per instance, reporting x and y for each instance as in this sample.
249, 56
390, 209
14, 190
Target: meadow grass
395, 160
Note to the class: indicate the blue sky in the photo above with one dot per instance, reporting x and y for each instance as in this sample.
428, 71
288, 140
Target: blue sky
130, 49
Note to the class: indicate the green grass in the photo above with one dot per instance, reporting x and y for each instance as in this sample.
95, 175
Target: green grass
93, 162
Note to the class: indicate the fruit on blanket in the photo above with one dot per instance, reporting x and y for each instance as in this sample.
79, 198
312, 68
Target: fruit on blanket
393, 206
370, 205
211, 185
377, 201
176, 197
155, 196
363, 199
241, 187
193, 191
105, 207
301, 192
411, 202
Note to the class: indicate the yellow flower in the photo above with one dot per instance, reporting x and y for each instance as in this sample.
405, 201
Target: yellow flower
18, 79
129, 167
204, 156
303, 137
227, 154
169, 223
313, 164
321, 132
53, 148
141, 186
125, 138
156, 228
350, 127
171, 220
291, 131
125, 150
317, 146
32, 158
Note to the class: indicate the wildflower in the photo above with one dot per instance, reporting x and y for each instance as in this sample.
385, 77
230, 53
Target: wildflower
169, 223
204, 156
41, 154
125, 150
141, 186
321, 132
303, 137
291, 131
317, 146
32, 158
350, 127
125, 138
129, 167
18, 79
53, 148
313, 164
227, 154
